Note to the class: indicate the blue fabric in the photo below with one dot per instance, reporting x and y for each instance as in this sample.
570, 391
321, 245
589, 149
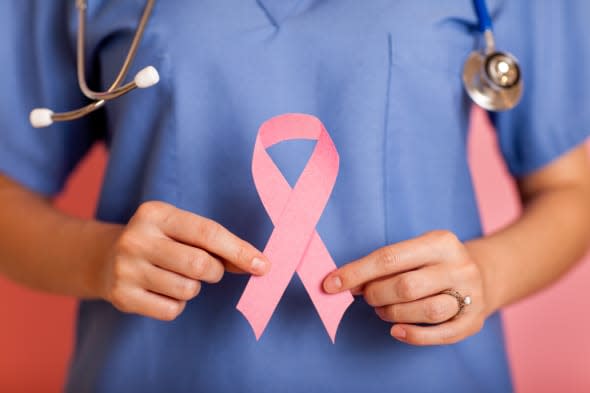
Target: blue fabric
385, 78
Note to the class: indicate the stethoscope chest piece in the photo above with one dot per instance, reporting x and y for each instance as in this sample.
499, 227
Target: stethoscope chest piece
493, 80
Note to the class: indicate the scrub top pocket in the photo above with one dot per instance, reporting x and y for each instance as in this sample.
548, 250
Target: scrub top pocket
427, 123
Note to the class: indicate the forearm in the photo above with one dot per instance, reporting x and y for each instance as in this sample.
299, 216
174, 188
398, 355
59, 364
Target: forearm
47, 250
538, 248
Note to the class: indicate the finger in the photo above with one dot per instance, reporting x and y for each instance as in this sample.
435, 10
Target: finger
170, 284
232, 269
151, 305
409, 286
434, 309
446, 333
356, 291
189, 261
212, 237
432, 247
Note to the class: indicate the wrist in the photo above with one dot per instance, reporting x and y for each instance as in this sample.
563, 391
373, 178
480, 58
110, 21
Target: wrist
482, 256
98, 239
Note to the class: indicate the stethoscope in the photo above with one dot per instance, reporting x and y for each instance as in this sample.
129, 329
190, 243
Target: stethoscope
491, 78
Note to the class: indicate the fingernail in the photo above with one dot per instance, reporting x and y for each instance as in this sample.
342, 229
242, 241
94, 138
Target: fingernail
333, 284
398, 332
259, 265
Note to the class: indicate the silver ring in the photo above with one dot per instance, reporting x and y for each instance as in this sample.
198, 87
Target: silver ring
462, 301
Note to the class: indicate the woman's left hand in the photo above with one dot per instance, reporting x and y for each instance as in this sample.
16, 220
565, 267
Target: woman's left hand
404, 281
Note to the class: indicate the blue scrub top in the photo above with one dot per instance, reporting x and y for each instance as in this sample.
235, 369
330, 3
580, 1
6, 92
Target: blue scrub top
385, 78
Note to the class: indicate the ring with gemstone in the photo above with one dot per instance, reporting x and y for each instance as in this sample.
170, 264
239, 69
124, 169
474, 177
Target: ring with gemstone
462, 301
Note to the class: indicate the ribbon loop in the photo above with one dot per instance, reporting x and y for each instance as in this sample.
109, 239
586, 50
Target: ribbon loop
294, 244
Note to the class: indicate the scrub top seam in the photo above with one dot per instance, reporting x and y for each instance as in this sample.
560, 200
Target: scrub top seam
386, 139
273, 21
174, 129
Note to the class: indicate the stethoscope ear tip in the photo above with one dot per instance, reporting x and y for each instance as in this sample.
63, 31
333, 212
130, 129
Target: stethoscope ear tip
147, 77
41, 117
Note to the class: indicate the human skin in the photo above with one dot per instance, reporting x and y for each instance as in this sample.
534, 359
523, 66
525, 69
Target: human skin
155, 264
152, 266
403, 281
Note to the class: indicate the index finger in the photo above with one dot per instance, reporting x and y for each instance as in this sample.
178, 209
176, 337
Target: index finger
397, 258
211, 236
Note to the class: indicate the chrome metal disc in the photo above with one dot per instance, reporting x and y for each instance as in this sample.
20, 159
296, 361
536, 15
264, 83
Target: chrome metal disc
497, 96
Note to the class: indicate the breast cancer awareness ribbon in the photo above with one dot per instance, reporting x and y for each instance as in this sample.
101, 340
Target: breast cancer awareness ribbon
294, 244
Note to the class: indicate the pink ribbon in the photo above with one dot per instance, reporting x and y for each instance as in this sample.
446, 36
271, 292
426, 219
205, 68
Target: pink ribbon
294, 244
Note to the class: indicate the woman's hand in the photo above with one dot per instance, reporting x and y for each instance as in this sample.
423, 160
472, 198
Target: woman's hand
404, 281
161, 257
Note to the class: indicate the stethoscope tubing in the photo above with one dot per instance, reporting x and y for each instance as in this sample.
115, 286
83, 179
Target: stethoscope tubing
483, 16
114, 90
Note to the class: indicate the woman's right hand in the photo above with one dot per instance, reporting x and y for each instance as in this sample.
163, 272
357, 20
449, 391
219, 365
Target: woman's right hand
160, 258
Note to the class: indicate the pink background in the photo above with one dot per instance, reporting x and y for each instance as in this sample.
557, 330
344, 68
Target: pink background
547, 334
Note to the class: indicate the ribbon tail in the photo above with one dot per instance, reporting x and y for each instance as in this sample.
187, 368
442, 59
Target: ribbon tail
258, 317
261, 297
315, 266
263, 293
